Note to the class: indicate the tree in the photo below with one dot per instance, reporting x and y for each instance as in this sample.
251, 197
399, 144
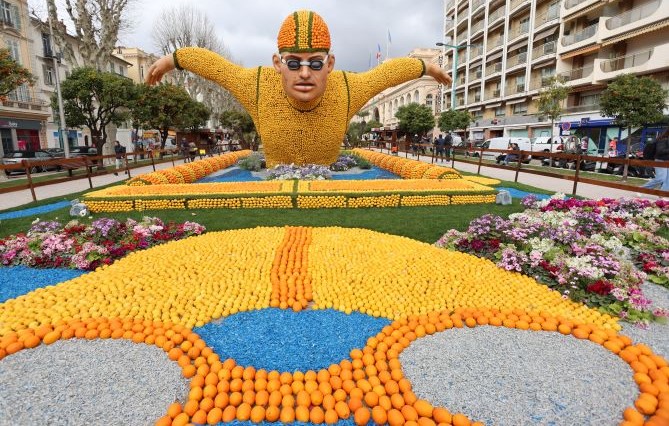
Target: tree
167, 106
96, 24
95, 99
633, 102
12, 74
415, 118
359, 128
241, 124
453, 120
551, 98
185, 26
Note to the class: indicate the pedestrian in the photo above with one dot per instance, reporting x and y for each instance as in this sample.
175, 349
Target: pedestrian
119, 153
658, 151
448, 145
301, 101
184, 149
511, 156
439, 146
613, 147
192, 150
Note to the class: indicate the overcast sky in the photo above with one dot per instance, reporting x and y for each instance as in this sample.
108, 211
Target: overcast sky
249, 27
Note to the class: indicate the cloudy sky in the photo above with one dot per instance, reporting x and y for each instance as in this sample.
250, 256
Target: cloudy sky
249, 27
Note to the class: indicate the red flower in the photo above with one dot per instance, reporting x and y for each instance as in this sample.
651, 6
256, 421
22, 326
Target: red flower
600, 287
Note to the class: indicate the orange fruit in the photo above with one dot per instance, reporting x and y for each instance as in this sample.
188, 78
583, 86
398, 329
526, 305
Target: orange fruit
442, 415
423, 408
257, 414
199, 417
272, 413
214, 416
395, 417
460, 419
164, 421
361, 416
181, 420
243, 412
174, 410
229, 413
191, 407
409, 413
379, 415
287, 415
633, 416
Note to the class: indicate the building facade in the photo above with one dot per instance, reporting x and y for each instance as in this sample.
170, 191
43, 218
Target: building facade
508, 50
23, 116
424, 90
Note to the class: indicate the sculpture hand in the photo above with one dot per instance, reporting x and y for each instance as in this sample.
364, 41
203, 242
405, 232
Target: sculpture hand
438, 74
159, 69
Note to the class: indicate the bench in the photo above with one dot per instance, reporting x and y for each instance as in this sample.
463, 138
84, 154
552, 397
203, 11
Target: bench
73, 163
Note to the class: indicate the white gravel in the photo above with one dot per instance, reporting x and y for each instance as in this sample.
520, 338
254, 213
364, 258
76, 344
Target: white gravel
654, 335
503, 376
89, 382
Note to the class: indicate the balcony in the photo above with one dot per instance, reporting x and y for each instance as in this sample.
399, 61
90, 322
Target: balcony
32, 104
540, 82
476, 4
450, 5
578, 76
581, 35
495, 43
476, 27
546, 18
638, 17
492, 94
495, 15
459, 101
493, 69
462, 37
516, 3
546, 49
476, 75
513, 89
581, 108
520, 30
572, 4
519, 59
475, 52
642, 62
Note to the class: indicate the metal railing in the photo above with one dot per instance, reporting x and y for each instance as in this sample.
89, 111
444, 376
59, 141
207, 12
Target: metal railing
492, 94
582, 108
493, 68
629, 61
477, 26
462, 37
538, 83
496, 14
577, 73
495, 43
543, 50
584, 34
521, 29
476, 51
477, 74
516, 3
632, 15
568, 4
477, 3
516, 60
24, 103
551, 15
512, 89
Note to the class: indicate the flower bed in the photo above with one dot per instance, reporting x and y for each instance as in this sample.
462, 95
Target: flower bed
79, 246
289, 194
157, 296
579, 248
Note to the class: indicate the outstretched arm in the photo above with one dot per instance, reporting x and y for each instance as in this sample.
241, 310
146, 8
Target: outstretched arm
159, 68
438, 74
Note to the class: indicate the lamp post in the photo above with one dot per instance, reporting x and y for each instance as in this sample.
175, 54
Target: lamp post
454, 73
62, 135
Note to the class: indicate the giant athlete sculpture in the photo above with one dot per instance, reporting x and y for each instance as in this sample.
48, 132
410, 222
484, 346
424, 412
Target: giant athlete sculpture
301, 107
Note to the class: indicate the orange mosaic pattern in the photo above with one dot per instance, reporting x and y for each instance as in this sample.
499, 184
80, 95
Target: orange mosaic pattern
290, 278
303, 31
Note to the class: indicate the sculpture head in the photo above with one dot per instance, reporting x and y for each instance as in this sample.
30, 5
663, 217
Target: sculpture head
304, 60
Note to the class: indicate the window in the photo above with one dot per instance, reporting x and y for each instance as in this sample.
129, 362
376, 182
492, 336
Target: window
428, 100
6, 10
20, 94
520, 108
49, 78
500, 111
589, 99
524, 25
46, 45
13, 47
121, 70
141, 72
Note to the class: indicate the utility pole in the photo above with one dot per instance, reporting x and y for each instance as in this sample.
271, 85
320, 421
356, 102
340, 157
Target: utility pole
61, 125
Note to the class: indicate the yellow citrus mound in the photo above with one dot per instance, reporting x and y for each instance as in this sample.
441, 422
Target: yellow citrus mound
193, 281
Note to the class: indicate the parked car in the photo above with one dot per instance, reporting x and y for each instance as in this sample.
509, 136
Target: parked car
56, 152
81, 151
31, 157
636, 152
503, 143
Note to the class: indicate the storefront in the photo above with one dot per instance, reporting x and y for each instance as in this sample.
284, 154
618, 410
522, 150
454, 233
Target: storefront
18, 134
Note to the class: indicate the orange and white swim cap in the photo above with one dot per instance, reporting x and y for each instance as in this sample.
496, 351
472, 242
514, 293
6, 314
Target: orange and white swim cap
303, 31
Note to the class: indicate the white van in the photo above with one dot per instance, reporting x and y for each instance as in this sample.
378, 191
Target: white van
547, 144
502, 143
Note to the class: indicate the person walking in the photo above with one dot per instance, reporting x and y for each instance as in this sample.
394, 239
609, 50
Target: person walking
119, 153
658, 151
439, 147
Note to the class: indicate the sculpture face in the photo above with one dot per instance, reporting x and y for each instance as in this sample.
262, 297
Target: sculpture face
304, 84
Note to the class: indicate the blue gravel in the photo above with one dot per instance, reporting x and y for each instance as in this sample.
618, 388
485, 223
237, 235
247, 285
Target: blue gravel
234, 175
517, 193
18, 280
373, 173
289, 341
35, 210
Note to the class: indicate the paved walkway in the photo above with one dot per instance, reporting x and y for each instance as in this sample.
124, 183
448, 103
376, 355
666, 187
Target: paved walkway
19, 198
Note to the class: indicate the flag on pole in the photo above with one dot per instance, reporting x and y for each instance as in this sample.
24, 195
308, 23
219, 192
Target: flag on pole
378, 53
390, 40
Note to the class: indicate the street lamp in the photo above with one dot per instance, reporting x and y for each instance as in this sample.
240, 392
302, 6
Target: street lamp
62, 127
454, 74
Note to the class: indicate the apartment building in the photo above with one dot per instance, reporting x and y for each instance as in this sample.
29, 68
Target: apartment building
139, 61
24, 114
508, 50
424, 90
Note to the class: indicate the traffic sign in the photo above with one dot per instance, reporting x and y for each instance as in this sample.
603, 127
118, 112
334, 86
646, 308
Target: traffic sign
566, 126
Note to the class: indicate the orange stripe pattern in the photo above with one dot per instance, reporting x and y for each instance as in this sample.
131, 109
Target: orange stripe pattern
291, 281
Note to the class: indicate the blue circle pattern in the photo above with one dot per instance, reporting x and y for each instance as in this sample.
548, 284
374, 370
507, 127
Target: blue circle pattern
18, 280
35, 210
283, 340
240, 175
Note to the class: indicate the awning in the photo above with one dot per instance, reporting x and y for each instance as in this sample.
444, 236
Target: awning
585, 11
495, 105
516, 101
581, 51
652, 27
494, 56
546, 33
478, 108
